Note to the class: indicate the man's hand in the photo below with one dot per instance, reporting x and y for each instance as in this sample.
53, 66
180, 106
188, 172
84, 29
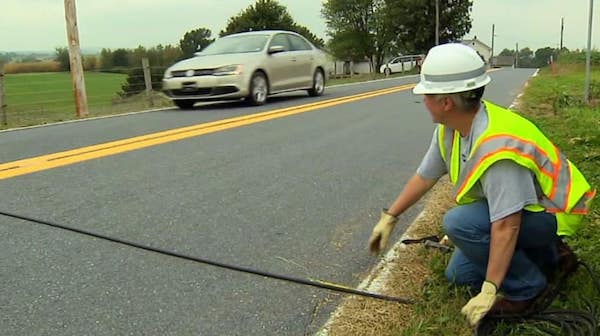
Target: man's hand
381, 232
478, 306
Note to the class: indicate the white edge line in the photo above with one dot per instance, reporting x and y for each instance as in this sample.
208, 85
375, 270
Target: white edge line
514, 103
377, 278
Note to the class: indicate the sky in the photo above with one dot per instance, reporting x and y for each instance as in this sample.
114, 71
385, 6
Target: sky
39, 25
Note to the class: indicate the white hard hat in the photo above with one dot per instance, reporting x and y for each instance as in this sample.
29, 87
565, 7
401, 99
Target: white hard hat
451, 68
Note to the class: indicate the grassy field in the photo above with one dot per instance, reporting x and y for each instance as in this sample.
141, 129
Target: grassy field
40, 98
553, 100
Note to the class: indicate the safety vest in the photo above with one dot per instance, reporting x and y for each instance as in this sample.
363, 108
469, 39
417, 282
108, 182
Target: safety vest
566, 193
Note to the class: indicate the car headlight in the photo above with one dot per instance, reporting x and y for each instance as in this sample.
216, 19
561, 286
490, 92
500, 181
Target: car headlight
228, 70
168, 74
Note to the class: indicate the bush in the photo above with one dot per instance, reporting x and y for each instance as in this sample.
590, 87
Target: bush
578, 57
45, 66
135, 81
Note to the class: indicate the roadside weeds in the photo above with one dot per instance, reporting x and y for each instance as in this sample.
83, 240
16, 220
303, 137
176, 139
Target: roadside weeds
410, 272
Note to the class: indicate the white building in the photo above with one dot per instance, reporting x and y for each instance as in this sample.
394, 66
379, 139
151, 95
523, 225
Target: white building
482, 49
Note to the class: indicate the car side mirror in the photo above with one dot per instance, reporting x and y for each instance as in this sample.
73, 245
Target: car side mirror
276, 49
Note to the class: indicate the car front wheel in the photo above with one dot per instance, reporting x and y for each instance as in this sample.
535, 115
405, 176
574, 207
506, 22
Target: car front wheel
387, 71
259, 89
318, 86
184, 104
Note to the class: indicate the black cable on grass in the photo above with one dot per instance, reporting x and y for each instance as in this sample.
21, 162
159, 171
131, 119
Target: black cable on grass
308, 282
564, 322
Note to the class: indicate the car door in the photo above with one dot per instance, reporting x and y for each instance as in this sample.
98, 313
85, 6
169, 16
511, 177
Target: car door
303, 61
395, 65
280, 64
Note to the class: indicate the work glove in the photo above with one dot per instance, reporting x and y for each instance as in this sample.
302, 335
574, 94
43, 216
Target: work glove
446, 241
481, 304
381, 232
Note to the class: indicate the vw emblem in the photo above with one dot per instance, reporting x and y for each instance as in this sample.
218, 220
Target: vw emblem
189, 73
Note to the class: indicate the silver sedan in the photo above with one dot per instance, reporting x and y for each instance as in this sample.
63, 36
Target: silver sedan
250, 65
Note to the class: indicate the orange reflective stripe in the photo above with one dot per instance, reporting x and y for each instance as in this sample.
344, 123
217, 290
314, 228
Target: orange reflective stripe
503, 149
540, 149
557, 167
568, 186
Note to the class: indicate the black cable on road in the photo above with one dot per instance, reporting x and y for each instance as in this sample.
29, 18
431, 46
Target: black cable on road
314, 283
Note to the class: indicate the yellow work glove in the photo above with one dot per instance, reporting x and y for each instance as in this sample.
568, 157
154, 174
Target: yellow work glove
381, 232
446, 241
478, 306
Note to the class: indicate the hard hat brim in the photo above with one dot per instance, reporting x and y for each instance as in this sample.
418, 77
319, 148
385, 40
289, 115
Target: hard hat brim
426, 87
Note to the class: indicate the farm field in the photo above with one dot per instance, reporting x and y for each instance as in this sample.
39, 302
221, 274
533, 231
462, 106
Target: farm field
39, 98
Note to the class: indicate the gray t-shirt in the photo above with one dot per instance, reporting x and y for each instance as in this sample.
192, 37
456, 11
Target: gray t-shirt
507, 186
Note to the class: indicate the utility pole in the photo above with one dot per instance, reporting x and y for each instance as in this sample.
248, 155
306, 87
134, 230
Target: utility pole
2, 100
493, 26
81, 104
588, 56
562, 29
437, 22
517, 56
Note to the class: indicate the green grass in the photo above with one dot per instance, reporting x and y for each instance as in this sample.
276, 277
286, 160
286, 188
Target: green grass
554, 102
40, 98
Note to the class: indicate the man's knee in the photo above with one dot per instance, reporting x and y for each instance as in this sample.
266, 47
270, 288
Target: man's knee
452, 222
467, 220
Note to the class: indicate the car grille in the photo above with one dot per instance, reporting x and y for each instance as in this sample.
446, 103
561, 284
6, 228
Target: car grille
216, 91
197, 72
192, 92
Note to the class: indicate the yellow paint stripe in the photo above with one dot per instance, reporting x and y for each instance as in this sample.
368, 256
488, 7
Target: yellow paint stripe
35, 164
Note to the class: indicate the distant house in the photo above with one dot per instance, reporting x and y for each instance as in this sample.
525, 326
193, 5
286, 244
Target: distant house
345, 68
482, 49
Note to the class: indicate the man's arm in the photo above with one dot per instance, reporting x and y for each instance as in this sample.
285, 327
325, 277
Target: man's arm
415, 188
504, 235
431, 169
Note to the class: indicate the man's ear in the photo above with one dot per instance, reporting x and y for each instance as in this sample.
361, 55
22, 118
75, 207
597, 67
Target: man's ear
448, 103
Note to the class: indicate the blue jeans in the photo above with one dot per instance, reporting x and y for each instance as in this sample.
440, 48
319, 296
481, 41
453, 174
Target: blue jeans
468, 227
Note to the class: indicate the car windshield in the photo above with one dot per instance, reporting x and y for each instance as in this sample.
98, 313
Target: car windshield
236, 45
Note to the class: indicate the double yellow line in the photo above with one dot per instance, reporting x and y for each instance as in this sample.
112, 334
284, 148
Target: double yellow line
35, 164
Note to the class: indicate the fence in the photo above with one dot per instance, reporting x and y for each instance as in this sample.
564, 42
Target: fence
35, 98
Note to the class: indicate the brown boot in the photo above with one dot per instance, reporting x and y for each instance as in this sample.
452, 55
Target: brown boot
506, 307
567, 260
510, 307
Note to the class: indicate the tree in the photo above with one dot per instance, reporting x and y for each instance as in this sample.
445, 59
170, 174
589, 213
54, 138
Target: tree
389, 27
526, 58
195, 40
413, 22
357, 29
120, 58
267, 14
90, 62
543, 55
62, 57
106, 59
506, 52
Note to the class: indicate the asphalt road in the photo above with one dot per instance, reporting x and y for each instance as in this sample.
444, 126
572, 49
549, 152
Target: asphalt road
295, 196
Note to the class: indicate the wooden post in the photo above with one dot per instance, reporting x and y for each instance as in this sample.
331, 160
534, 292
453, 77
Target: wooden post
147, 79
2, 97
75, 59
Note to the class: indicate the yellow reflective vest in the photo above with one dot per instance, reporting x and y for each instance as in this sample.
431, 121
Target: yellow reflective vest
510, 136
